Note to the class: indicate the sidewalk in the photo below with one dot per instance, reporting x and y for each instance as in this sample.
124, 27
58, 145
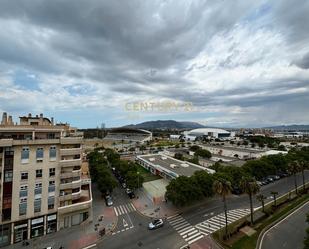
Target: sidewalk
78, 236
205, 243
146, 207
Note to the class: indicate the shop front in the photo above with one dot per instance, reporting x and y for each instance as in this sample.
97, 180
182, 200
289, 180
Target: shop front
51, 223
20, 231
37, 227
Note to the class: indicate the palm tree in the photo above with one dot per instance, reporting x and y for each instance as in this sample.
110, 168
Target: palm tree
274, 194
261, 198
294, 168
223, 187
250, 187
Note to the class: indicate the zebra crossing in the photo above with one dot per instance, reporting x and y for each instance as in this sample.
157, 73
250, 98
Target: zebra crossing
188, 232
215, 223
124, 209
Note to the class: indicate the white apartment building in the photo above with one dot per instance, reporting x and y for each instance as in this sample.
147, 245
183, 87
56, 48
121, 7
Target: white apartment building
41, 186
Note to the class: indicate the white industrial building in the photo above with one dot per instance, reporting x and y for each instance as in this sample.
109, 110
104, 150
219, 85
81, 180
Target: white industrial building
208, 133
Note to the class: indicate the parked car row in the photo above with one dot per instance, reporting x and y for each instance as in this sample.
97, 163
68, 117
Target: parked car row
123, 183
272, 178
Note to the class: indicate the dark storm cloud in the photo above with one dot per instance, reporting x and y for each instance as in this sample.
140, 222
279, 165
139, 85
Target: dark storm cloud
145, 48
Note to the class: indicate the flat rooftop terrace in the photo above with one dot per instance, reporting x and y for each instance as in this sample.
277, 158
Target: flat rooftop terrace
178, 167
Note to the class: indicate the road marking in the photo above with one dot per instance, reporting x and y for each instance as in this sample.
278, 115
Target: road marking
125, 224
115, 209
216, 222
124, 209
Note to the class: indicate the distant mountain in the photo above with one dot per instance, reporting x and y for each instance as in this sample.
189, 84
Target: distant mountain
166, 124
289, 127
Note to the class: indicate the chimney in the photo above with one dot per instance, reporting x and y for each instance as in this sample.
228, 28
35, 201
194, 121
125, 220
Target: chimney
10, 120
52, 120
29, 115
41, 115
4, 119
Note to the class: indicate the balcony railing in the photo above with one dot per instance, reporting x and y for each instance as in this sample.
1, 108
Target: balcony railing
70, 185
71, 140
70, 163
65, 197
73, 173
77, 206
70, 151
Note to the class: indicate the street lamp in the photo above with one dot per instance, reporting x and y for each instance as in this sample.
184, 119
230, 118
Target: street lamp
138, 179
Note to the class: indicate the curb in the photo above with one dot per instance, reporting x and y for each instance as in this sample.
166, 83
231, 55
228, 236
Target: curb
267, 228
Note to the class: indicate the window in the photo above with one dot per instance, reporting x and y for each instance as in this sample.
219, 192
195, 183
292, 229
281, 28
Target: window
39, 173
24, 175
37, 205
51, 186
52, 153
52, 172
23, 206
39, 154
38, 188
23, 191
8, 176
25, 155
51, 202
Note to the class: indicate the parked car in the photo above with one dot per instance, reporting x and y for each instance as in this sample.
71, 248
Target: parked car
237, 191
275, 177
130, 193
270, 179
265, 181
109, 201
156, 223
259, 183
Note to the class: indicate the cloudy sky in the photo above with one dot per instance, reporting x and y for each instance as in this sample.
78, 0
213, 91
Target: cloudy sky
235, 63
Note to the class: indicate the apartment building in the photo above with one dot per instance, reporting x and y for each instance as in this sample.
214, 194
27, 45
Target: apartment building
42, 189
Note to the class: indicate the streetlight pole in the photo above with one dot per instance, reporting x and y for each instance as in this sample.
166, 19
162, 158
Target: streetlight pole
138, 179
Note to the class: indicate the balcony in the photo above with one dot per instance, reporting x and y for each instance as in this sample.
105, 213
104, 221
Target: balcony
70, 163
65, 197
70, 174
71, 140
6, 142
76, 195
70, 152
83, 202
70, 185
36, 141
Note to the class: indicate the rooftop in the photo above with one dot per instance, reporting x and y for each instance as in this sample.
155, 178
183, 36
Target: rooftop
172, 165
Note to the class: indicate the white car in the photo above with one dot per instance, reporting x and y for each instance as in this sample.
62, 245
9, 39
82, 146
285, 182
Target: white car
155, 224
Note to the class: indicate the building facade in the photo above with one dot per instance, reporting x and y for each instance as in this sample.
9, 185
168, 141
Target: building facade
42, 189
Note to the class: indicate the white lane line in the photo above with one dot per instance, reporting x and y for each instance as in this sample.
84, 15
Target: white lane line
184, 228
191, 241
173, 223
173, 218
120, 207
115, 210
187, 231
125, 210
193, 236
129, 208
180, 224
133, 207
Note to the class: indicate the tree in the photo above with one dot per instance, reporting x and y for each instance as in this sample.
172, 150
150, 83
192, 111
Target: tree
178, 156
134, 180
303, 166
194, 147
274, 194
204, 181
261, 198
294, 168
183, 191
223, 188
250, 187
142, 148
132, 149
202, 153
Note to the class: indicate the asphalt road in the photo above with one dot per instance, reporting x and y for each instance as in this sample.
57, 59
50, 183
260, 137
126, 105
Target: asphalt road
215, 206
131, 231
289, 233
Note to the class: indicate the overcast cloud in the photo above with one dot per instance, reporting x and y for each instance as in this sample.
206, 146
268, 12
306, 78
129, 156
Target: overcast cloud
240, 63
